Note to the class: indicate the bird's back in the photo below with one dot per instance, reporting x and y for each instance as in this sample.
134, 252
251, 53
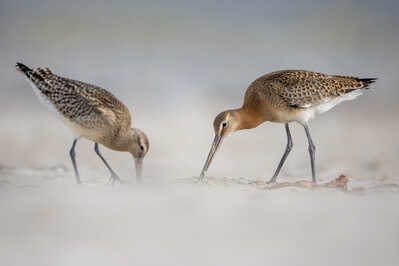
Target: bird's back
301, 88
85, 106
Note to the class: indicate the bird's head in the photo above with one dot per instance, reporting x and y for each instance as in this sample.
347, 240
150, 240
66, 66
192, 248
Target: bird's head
138, 147
224, 124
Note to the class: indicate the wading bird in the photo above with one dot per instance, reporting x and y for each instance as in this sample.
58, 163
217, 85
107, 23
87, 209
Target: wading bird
283, 97
92, 113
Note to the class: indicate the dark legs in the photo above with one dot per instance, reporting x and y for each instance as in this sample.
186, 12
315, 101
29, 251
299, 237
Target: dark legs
312, 149
114, 177
288, 148
72, 154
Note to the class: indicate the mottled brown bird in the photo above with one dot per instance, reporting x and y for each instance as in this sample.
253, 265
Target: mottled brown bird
92, 113
283, 97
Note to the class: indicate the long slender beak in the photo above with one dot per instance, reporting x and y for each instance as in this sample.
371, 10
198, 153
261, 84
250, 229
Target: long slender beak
139, 168
215, 146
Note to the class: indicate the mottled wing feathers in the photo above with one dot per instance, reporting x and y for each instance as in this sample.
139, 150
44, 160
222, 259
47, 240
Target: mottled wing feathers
43, 71
303, 89
80, 102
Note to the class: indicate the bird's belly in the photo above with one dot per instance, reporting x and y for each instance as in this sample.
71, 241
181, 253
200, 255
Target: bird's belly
94, 134
301, 115
284, 116
304, 115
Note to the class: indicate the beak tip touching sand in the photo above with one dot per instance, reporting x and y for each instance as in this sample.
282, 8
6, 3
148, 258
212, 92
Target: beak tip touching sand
215, 146
139, 168
202, 175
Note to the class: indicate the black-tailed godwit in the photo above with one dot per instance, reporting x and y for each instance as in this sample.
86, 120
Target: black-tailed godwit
283, 97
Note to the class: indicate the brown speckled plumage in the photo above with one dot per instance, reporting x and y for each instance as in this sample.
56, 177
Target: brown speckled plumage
283, 97
92, 112
86, 105
300, 88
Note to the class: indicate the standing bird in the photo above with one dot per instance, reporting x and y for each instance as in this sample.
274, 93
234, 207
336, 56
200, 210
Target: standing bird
92, 113
283, 97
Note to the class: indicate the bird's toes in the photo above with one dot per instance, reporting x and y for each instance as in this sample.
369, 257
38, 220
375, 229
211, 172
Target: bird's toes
201, 179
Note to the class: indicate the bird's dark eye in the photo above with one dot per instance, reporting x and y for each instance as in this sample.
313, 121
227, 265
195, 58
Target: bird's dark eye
224, 124
141, 147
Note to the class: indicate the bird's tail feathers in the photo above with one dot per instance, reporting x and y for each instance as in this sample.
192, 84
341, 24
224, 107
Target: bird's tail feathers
33, 75
367, 82
24, 69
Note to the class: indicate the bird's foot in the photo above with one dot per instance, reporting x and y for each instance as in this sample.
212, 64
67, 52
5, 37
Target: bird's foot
78, 181
271, 181
114, 178
201, 179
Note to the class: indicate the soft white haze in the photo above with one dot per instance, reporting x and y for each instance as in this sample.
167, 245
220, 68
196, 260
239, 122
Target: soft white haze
176, 66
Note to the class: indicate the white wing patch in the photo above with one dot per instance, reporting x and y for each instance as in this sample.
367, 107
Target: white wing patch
324, 107
307, 114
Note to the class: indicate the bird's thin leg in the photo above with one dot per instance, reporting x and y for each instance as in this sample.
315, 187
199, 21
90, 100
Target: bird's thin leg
114, 177
72, 154
288, 148
312, 149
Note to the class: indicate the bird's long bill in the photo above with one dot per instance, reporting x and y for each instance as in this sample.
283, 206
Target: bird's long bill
139, 168
215, 146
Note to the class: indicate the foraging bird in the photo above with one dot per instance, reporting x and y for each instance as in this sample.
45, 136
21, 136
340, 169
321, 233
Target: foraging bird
283, 97
92, 113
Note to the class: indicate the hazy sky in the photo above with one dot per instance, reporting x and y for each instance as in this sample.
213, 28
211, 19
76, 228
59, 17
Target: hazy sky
197, 51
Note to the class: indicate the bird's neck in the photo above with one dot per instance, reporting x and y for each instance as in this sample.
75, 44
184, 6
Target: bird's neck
119, 142
247, 118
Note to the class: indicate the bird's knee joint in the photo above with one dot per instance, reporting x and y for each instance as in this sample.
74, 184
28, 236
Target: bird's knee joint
96, 149
312, 148
290, 145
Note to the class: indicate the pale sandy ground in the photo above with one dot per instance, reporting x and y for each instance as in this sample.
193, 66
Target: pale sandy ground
170, 220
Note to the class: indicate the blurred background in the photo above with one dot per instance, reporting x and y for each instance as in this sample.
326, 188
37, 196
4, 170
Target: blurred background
176, 65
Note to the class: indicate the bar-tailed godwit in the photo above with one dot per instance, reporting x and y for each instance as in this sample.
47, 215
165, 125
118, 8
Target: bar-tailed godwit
283, 97
92, 113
